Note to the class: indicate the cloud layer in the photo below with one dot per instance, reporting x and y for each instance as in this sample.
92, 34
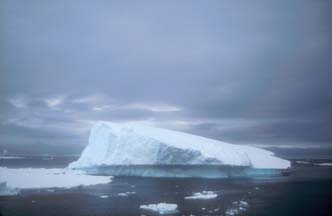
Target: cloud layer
255, 73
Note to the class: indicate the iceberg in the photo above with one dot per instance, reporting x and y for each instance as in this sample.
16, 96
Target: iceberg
120, 145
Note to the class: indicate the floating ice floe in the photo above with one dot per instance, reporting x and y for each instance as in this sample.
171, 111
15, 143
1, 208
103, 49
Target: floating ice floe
203, 195
126, 194
324, 164
25, 178
103, 196
237, 207
161, 208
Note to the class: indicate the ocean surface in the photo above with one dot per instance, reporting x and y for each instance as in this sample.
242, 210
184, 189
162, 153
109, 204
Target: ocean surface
306, 191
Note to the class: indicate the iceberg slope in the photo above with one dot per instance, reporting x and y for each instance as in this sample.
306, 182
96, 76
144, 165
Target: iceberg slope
133, 144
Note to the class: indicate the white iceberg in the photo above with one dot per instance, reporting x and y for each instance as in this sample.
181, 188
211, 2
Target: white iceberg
133, 144
161, 208
204, 195
24, 178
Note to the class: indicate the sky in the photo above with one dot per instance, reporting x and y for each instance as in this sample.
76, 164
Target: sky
249, 72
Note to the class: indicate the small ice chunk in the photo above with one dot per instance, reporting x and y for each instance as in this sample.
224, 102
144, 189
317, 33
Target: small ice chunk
232, 211
243, 204
126, 193
104, 196
237, 207
161, 208
203, 195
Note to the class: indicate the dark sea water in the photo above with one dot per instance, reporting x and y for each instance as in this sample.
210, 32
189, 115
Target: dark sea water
307, 191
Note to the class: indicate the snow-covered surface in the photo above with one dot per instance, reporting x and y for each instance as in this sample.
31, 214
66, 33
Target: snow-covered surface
161, 208
133, 144
203, 195
24, 178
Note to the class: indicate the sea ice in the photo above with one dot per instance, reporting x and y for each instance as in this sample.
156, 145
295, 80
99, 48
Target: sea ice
134, 144
24, 178
161, 208
203, 195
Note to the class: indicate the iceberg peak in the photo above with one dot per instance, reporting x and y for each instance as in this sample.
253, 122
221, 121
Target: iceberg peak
136, 144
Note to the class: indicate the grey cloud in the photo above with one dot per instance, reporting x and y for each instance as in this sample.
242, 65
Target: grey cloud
246, 73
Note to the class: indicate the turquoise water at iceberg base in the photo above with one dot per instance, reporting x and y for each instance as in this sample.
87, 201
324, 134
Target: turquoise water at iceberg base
184, 171
307, 190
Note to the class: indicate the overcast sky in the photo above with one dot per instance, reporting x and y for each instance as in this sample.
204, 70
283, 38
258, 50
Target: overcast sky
248, 72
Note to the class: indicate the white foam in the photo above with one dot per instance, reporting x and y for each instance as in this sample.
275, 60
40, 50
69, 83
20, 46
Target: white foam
161, 208
24, 178
203, 195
